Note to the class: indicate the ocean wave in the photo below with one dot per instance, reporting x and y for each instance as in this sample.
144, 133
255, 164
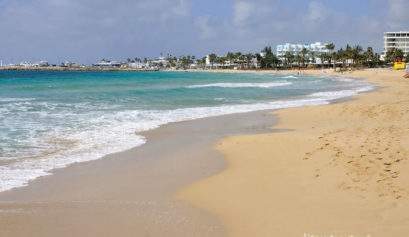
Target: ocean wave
15, 99
120, 133
105, 132
291, 76
333, 95
243, 85
344, 79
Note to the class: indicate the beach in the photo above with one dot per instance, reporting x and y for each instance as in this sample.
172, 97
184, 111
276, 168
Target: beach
130, 193
314, 170
340, 169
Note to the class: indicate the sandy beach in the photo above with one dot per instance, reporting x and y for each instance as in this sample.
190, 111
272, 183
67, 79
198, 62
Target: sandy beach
341, 169
130, 193
338, 169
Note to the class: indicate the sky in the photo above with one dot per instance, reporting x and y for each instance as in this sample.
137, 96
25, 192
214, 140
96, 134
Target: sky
86, 31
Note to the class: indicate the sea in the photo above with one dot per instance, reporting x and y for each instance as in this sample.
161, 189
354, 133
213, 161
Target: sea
51, 119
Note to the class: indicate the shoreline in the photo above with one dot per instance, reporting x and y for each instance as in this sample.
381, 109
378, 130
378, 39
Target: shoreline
39, 193
216, 111
344, 173
134, 186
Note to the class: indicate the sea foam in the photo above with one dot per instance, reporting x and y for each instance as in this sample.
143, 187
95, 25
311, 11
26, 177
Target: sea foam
243, 85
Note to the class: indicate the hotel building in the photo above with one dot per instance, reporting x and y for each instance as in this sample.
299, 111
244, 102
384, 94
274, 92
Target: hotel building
398, 39
295, 49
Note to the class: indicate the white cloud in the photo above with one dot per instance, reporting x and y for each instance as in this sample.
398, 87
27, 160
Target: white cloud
242, 12
207, 31
86, 30
318, 12
398, 14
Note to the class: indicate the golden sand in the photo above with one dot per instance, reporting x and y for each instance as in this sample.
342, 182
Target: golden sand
342, 169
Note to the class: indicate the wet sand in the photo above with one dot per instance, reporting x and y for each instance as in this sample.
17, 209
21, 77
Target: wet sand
341, 169
130, 193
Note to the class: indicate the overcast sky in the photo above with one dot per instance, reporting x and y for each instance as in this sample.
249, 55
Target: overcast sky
88, 30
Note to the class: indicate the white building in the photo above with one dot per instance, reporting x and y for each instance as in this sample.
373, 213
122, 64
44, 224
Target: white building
217, 64
316, 48
106, 64
161, 60
71, 64
398, 40
138, 65
43, 64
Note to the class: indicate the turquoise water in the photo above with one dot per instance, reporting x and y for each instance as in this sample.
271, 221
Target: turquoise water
52, 119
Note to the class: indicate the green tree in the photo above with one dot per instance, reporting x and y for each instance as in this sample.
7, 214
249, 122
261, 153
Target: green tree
304, 53
330, 48
323, 57
269, 60
212, 58
222, 61
369, 57
313, 57
299, 59
230, 57
249, 57
288, 59
356, 55
239, 59
394, 54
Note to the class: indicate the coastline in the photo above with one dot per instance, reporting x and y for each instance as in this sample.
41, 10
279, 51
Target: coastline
130, 193
52, 191
340, 169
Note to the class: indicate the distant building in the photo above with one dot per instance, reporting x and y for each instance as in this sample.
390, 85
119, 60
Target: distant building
71, 64
160, 61
43, 64
216, 64
397, 40
137, 65
107, 64
316, 48
27, 64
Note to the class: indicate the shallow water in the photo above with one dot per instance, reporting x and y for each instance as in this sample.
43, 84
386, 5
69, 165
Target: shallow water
52, 119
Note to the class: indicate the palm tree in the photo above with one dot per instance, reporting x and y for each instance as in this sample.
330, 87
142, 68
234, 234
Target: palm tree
330, 48
230, 57
299, 59
323, 58
238, 57
249, 57
212, 58
369, 57
288, 58
222, 61
313, 57
267, 50
304, 52
376, 59
356, 54
348, 54
339, 56
203, 61
269, 58
399, 54
259, 59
